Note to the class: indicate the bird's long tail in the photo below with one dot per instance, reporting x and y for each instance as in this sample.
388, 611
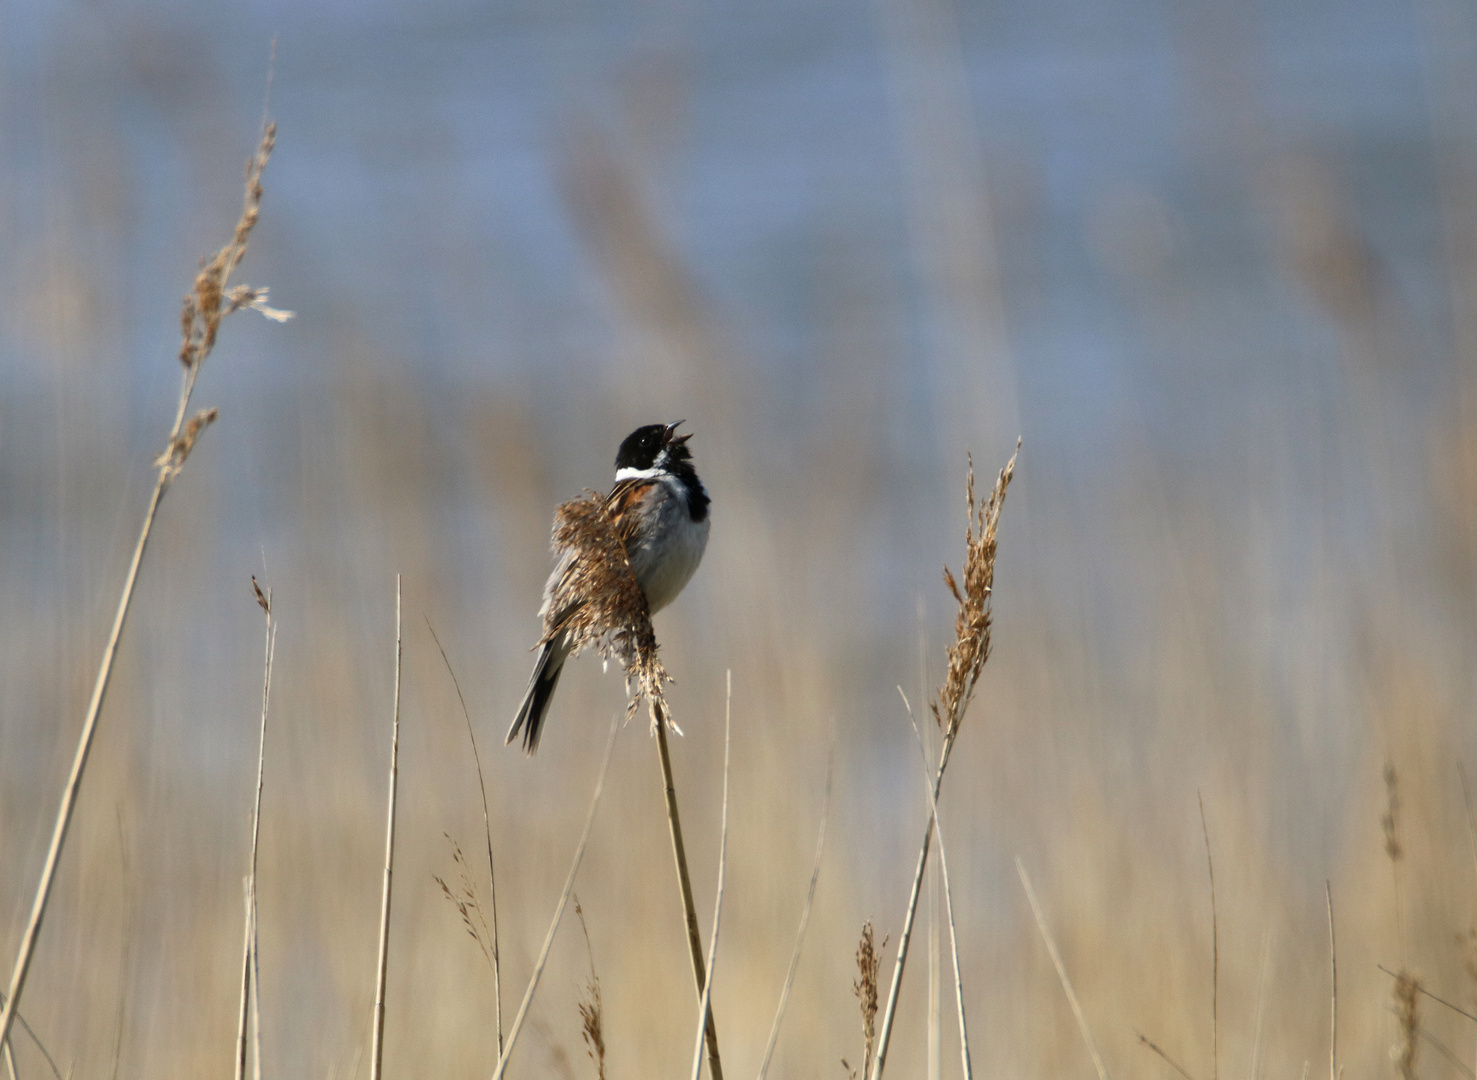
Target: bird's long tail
546, 671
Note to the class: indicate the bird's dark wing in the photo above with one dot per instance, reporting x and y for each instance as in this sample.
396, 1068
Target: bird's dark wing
628, 502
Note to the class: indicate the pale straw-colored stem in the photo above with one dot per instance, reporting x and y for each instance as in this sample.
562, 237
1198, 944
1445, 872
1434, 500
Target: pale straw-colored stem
1061, 972
169, 464
543, 956
707, 994
1333, 966
377, 1045
1215, 954
815, 873
684, 880
84, 745
884, 1037
249, 990
933, 809
497, 978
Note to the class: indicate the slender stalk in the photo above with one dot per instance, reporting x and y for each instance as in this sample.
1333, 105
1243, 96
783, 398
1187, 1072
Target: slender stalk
815, 873
79, 761
884, 1038
1333, 965
497, 979
707, 994
244, 1012
203, 310
933, 808
256, 995
377, 1046
50, 1061
684, 879
543, 956
1061, 973
1215, 955
248, 948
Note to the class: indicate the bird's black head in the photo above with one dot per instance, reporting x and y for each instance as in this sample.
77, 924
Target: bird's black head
655, 443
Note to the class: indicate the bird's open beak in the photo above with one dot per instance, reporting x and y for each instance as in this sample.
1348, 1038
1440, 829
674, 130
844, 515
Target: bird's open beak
672, 437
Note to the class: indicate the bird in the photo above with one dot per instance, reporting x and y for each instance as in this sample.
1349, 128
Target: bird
661, 509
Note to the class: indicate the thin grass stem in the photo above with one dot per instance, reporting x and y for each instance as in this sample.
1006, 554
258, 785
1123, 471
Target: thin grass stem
1333, 965
933, 808
204, 308
248, 948
497, 979
1215, 954
377, 1044
543, 956
707, 995
684, 880
815, 873
1061, 971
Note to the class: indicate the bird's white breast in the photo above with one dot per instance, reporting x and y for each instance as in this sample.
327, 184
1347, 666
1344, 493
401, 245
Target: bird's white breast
666, 552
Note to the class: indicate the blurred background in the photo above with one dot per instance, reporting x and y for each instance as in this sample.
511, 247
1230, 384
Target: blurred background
1214, 262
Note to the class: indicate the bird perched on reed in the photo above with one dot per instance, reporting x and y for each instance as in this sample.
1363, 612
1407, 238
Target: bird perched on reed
651, 529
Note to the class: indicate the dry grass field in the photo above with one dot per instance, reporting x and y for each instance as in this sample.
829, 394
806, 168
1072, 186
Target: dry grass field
1234, 609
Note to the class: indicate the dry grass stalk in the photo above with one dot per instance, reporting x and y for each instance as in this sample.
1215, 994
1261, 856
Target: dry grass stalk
868, 961
543, 956
815, 873
660, 721
209, 301
248, 951
591, 1005
1215, 954
967, 656
604, 605
465, 900
1061, 972
706, 998
933, 808
50, 1061
1407, 1013
494, 956
1437, 998
1144, 1040
377, 1044
1333, 966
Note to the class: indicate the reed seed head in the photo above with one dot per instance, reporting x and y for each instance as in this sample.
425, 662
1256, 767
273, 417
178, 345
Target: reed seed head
971, 646
602, 603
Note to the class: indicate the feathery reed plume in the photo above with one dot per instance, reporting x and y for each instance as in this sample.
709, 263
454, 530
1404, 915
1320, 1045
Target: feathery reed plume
494, 956
967, 655
706, 998
377, 1045
1061, 974
210, 300
604, 605
1407, 1013
543, 956
815, 873
592, 1006
868, 961
464, 899
248, 950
